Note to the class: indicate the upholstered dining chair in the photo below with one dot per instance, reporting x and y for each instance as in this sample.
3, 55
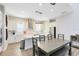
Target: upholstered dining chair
75, 41
61, 36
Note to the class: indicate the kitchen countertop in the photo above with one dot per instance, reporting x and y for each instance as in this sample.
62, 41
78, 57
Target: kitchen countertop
17, 38
30, 36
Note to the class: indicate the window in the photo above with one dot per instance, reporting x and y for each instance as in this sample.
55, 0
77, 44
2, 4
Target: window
20, 27
38, 28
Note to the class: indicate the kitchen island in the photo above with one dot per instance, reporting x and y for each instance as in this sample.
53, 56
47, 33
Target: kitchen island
26, 43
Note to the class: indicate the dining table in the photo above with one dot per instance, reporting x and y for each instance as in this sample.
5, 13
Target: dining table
48, 47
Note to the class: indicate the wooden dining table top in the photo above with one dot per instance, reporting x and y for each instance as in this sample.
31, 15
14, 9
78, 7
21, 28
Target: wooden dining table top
52, 45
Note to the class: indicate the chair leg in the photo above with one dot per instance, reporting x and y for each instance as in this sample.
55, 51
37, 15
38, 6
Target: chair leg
70, 52
33, 52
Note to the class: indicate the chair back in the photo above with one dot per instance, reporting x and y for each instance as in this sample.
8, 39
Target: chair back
73, 38
77, 37
35, 46
50, 36
61, 36
41, 37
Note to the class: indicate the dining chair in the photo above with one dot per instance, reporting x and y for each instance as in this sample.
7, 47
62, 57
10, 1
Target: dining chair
77, 37
37, 36
53, 36
36, 50
74, 40
61, 36
41, 37
50, 36
61, 52
35, 46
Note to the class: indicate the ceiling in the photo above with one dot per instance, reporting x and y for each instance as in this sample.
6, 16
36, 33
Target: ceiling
32, 10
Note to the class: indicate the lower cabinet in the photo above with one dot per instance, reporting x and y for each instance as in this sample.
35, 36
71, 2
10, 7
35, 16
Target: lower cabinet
27, 43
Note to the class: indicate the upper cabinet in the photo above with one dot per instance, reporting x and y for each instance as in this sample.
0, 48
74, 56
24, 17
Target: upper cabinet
20, 24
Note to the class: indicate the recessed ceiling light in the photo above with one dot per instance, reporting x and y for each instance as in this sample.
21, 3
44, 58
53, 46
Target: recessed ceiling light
51, 10
40, 4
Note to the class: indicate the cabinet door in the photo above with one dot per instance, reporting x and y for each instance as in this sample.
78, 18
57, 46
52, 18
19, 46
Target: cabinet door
22, 44
30, 24
28, 43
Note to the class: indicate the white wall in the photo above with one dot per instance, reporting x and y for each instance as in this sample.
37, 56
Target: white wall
69, 24
46, 25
